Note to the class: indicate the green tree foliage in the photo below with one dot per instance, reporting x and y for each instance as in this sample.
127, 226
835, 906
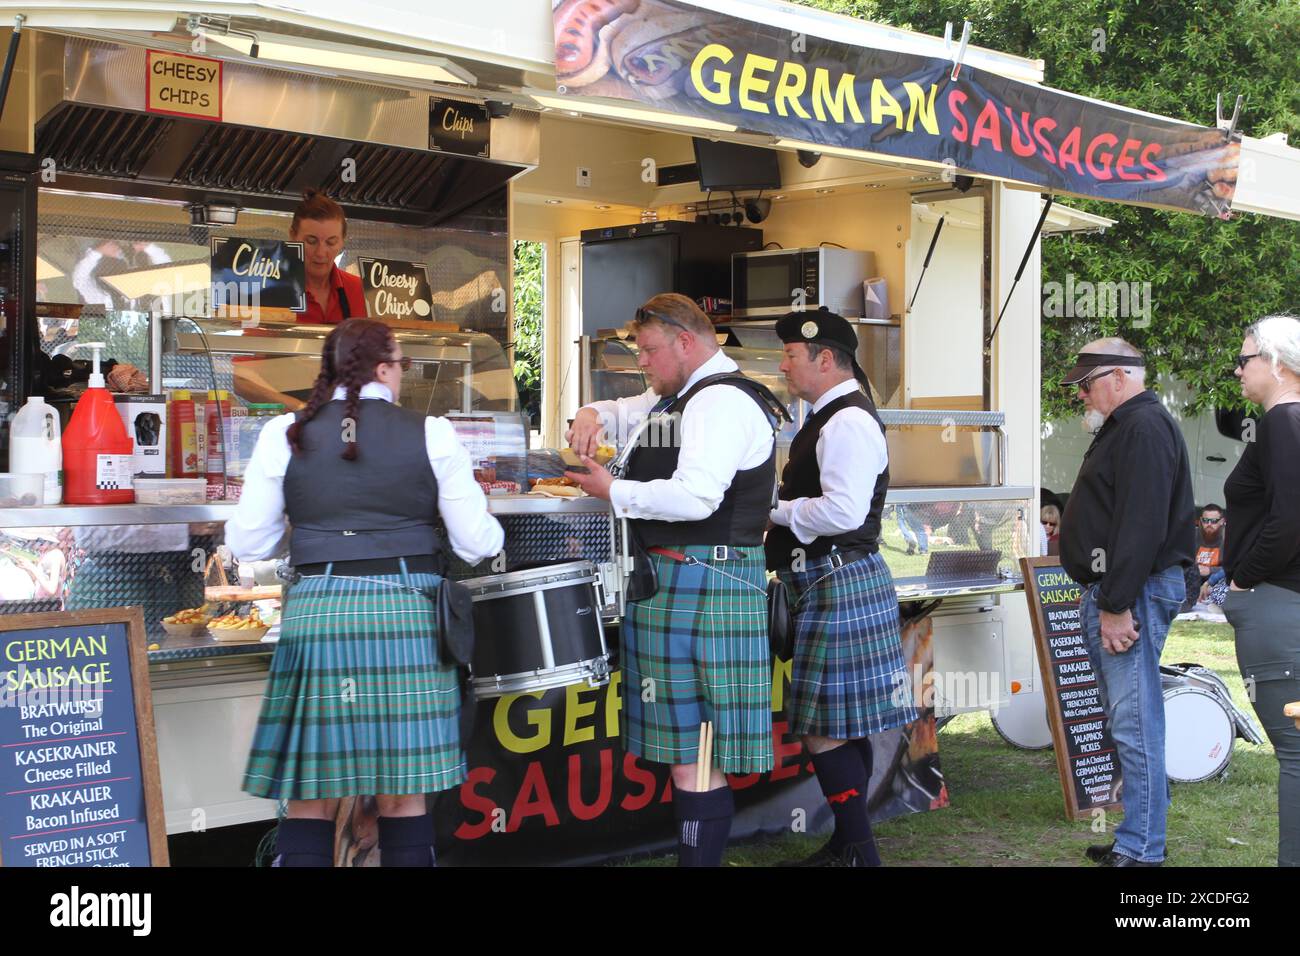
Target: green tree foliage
529, 297
1209, 278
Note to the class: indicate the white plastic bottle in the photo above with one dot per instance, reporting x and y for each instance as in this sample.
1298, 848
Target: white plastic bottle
35, 448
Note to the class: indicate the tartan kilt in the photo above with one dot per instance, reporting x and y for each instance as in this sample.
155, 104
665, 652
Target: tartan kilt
701, 642
848, 674
356, 701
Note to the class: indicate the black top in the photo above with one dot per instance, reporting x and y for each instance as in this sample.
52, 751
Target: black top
801, 478
382, 505
742, 515
1131, 514
1263, 499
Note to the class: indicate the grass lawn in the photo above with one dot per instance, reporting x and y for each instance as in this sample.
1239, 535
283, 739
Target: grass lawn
1007, 809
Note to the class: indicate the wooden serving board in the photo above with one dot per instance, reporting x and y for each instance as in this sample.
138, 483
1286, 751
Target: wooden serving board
233, 592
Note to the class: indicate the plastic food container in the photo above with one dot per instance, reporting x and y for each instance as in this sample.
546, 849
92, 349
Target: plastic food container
171, 491
20, 491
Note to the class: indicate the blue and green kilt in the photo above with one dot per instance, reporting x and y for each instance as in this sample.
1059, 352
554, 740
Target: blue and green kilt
695, 651
848, 675
356, 701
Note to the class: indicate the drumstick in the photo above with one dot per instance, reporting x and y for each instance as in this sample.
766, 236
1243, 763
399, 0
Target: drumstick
708, 759
705, 765
699, 757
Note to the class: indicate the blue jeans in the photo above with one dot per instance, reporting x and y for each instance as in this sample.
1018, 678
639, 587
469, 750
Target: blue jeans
1135, 708
912, 530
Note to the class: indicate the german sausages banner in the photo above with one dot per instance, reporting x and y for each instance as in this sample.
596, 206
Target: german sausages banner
683, 59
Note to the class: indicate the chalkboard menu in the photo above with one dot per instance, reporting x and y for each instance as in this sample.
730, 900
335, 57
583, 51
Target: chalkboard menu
1085, 753
395, 289
258, 273
79, 781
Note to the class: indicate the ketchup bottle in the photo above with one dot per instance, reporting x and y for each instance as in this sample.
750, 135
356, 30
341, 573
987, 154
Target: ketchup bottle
96, 448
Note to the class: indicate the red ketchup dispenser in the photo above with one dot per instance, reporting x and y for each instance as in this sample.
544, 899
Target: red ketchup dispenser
96, 447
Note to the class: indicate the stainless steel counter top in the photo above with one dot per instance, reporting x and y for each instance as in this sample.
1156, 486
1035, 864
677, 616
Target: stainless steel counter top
77, 516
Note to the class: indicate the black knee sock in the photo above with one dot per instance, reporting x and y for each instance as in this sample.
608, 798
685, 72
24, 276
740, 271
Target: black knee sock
843, 778
406, 841
703, 825
302, 842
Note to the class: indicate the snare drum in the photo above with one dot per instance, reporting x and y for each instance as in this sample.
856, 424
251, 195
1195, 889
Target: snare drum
1199, 731
537, 629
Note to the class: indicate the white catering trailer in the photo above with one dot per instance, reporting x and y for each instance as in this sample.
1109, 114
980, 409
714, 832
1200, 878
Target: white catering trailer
949, 334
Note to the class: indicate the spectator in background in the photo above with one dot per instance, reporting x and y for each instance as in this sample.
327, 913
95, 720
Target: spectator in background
1262, 554
1050, 516
1209, 556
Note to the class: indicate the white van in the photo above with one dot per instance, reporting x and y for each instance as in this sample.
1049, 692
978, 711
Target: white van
1214, 443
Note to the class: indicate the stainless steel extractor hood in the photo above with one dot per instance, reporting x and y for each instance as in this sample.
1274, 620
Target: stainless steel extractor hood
364, 145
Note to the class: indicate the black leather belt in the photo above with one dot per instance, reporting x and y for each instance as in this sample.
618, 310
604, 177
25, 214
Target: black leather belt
840, 558
415, 564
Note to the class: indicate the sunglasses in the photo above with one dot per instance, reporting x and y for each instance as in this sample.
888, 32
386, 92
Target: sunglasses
404, 362
646, 315
1243, 360
1086, 384
1211, 520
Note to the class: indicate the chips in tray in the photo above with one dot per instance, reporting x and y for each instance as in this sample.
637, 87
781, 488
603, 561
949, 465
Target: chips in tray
233, 622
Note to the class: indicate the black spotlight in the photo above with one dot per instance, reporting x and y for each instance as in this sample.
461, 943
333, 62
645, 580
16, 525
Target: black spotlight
963, 183
737, 217
807, 158
756, 210
498, 110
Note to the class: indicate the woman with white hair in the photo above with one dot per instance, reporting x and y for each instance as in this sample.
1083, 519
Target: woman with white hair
1262, 553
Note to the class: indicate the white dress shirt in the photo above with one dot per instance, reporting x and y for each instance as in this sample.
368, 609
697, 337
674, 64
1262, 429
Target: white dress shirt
723, 431
851, 454
258, 527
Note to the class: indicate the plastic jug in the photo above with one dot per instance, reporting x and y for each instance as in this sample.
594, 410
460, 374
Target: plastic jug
35, 449
96, 448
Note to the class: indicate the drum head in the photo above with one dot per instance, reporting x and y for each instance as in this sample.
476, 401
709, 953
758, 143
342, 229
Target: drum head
1199, 734
1023, 722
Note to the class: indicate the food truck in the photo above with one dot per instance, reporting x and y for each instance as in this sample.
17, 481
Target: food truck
756, 156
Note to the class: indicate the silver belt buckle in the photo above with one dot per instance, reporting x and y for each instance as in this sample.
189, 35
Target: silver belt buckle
837, 560
720, 552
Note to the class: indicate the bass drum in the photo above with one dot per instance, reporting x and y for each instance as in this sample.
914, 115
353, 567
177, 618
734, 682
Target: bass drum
537, 629
1199, 732
1023, 722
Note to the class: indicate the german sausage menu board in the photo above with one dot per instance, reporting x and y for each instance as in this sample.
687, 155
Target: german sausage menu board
79, 781
1085, 753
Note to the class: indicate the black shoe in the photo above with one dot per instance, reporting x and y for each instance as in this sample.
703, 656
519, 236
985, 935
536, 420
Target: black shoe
1099, 851
853, 855
1119, 859
824, 856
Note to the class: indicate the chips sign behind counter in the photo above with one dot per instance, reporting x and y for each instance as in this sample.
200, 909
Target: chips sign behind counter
395, 289
249, 274
79, 783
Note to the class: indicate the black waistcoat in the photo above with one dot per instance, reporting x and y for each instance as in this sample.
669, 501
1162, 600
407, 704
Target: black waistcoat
742, 515
382, 505
801, 478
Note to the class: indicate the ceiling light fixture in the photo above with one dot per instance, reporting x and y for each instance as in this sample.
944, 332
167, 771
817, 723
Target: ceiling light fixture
337, 57
611, 111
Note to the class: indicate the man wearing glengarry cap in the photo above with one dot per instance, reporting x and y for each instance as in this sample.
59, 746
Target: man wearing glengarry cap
1126, 536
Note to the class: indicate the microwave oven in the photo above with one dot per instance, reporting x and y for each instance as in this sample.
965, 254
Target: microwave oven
774, 281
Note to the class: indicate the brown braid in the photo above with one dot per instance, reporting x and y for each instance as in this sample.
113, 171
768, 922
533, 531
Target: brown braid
348, 358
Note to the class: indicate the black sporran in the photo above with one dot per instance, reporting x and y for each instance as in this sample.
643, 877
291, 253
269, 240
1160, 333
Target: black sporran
780, 620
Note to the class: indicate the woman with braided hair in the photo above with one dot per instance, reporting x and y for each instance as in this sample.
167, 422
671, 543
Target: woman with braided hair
357, 701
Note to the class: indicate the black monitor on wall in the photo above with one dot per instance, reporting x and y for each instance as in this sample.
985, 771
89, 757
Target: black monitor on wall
732, 167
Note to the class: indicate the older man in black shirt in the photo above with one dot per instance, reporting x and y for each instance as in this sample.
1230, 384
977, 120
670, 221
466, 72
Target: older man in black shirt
1126, 536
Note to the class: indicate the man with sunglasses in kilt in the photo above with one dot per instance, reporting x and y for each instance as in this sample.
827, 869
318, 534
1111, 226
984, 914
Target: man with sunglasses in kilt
697, 490
848, 677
